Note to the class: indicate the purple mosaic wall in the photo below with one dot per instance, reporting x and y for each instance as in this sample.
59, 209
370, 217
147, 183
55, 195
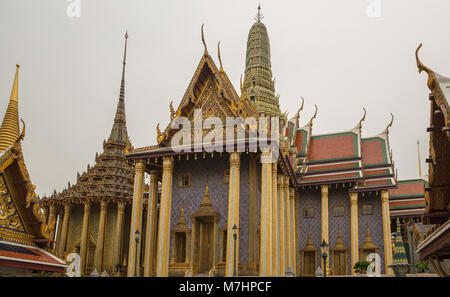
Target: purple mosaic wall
211, 169
374, 222
309, 198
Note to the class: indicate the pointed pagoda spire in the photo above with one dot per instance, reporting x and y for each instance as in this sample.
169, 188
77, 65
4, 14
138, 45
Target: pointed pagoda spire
399, 253
258, 82
10, 131
119, 130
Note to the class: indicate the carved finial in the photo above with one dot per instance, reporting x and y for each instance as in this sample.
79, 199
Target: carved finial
22, 134
431, 75
172, 111
220, 59
363, 118
204, 44
390, 124
314, 116
303, 103
160, 136
259, 15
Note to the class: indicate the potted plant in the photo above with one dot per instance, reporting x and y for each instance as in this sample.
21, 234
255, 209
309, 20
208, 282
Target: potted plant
422, 266
361, 267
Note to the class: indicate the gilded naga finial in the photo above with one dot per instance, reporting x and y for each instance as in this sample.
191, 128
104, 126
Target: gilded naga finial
172, 111
259, 15
160, 136
363, 118
220, 59
22, 134
204, 44
390, 124
431, 75
301, 107
314, 116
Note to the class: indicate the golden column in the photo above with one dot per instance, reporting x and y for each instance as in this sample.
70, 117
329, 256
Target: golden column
134, 251
354, 230
65, 224
293, 233
252, 228
282, 223
119, 233
386, 231
84, 236
164, 219
265, 255
275, 224
287, 232
101, 235
150, 238
52, 216
324, 234
233, 216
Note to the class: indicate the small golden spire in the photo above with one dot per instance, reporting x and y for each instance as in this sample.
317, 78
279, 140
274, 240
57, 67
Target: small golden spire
204, 43
10, 130
259, 15
220, 59
15, 89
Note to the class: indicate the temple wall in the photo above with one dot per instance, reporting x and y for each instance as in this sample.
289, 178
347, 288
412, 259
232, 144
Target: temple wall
309, 198
108, 241
339, 197
375, 223
74, 228
211, 170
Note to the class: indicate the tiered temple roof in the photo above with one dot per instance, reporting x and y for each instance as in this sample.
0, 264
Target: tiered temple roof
111, 177
408, 199
341, 157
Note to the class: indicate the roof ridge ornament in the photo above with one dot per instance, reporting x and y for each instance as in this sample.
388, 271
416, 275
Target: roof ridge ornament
205, 54
314, 116
389, 125
431, 75
220, 59
259, 16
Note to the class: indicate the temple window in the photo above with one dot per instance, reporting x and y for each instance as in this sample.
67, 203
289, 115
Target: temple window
338, 211
252, 99
367, 209
308, 212
184, 180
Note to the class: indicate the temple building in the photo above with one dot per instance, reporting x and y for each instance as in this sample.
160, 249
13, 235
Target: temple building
435, 246
230, 212
26, 232
93, 213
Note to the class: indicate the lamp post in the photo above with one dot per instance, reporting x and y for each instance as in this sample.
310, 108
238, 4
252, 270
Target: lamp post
235, 240
136, 237
411, 239
324, 250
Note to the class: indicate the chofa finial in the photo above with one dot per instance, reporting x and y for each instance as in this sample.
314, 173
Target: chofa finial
363, 118
431, 75
220, 59
204, 44
390, 124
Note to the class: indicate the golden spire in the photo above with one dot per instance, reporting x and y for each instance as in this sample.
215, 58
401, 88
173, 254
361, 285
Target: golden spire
204, 43
10, 131
418, 156
206, 201
259, 15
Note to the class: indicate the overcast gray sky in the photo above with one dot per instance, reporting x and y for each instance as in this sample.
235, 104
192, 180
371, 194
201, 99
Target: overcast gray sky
330, 52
